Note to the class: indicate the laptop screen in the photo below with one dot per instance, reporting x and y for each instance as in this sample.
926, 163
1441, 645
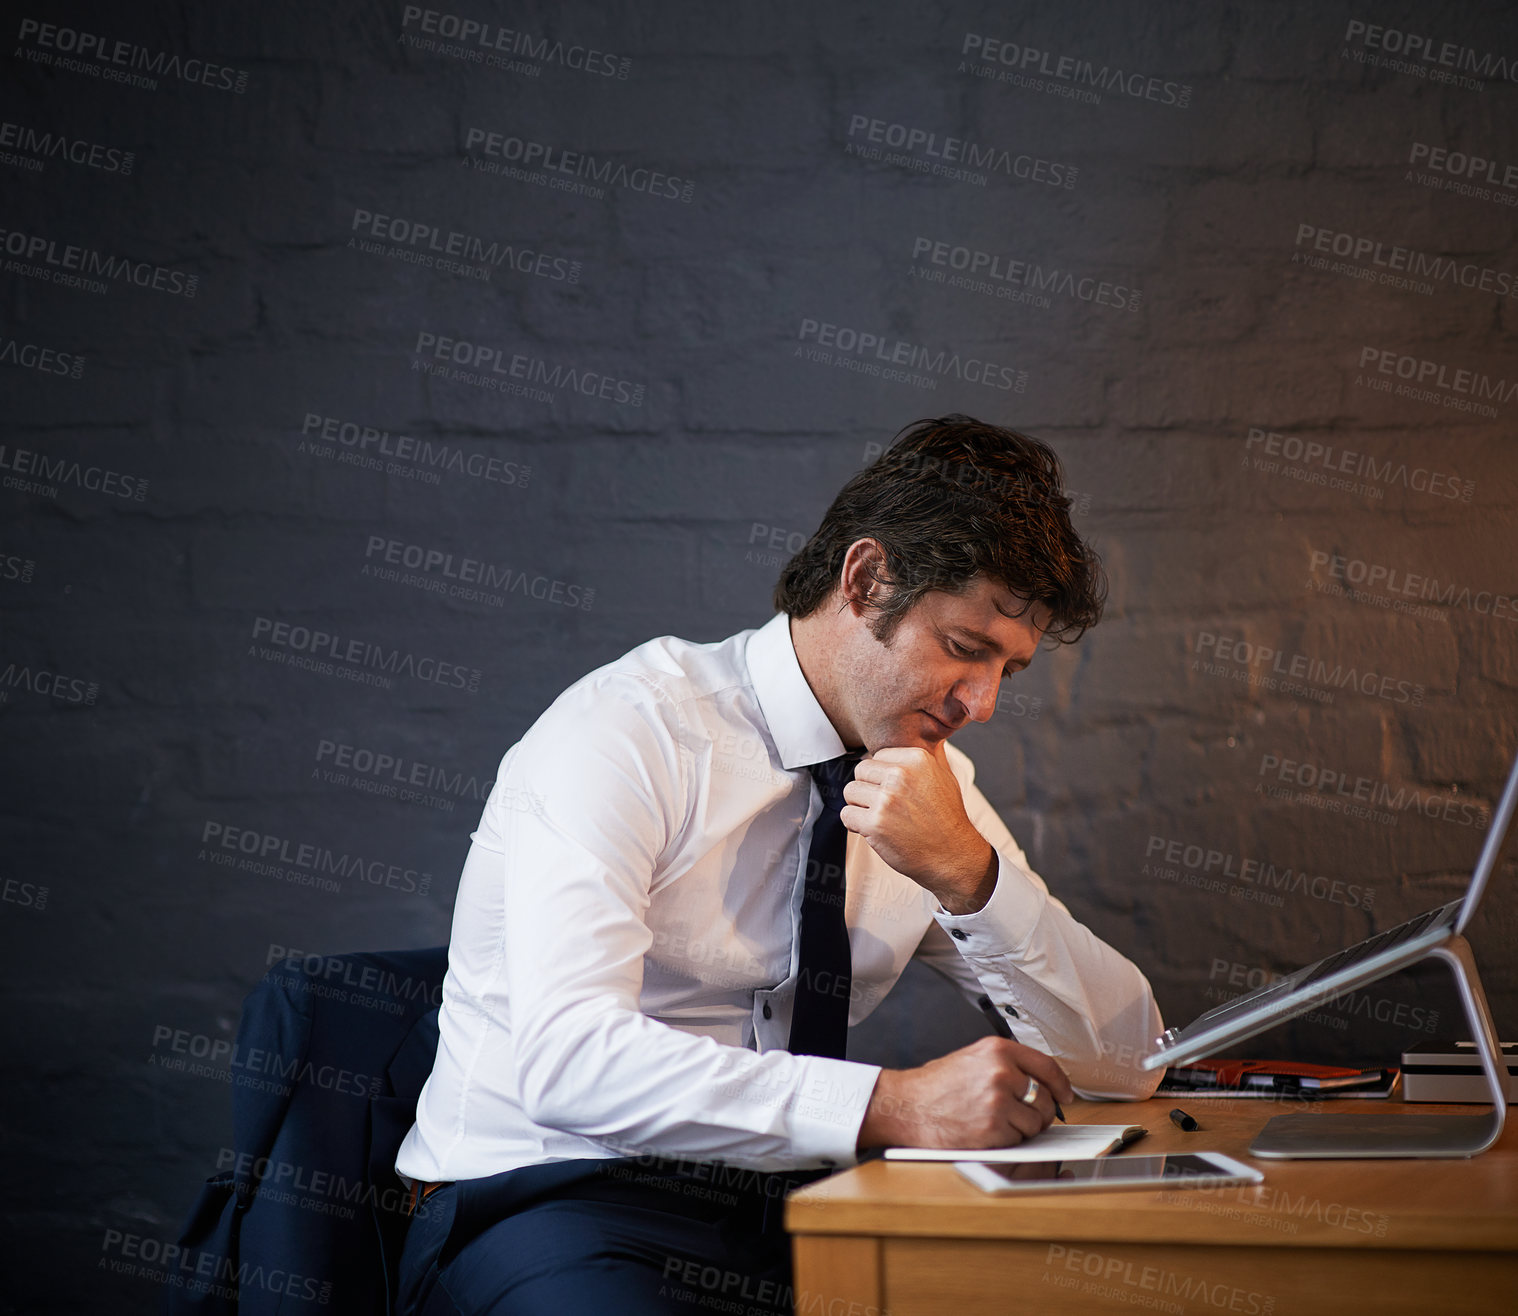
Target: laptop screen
1493, 847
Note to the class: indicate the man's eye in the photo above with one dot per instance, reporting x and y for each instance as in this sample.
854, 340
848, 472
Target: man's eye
959, 650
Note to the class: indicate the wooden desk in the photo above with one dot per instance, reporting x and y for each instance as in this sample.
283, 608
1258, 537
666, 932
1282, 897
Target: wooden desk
1424, 1238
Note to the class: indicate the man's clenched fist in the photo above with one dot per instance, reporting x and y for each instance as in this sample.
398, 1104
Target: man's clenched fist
906, 802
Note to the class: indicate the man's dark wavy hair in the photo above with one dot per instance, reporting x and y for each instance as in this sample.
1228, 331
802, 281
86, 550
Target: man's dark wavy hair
952, 499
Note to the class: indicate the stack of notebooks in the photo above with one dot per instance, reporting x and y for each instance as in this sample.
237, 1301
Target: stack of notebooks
1275, 1078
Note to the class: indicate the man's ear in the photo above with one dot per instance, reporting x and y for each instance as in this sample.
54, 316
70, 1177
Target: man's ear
864, 581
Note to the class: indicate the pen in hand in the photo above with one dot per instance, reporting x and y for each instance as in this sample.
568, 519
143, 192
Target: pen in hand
1001, 1028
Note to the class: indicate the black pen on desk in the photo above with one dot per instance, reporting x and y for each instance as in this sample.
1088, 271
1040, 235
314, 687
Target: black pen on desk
1003, 1029
1186, 1123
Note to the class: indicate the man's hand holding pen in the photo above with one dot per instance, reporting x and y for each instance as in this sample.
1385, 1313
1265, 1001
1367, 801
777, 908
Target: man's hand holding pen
993, 1093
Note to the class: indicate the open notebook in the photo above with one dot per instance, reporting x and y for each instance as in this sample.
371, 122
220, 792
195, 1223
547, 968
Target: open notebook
1059, 1142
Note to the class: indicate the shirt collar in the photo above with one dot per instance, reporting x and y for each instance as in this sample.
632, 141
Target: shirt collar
800, 729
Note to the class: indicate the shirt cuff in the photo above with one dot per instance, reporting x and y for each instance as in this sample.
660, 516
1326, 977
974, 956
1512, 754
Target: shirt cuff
827, 1109
1004, 924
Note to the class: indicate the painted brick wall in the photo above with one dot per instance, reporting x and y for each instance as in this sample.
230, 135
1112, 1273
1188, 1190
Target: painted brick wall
277, 317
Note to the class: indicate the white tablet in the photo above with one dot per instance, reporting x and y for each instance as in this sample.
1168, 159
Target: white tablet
1180, 1170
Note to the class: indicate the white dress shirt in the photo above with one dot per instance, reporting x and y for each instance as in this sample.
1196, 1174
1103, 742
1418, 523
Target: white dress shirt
624, 949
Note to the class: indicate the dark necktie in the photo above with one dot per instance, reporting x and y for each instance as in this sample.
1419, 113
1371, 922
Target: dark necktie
820, 1017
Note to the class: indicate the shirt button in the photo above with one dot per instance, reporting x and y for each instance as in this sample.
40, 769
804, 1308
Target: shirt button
956, 934
829, 1162
1011, 1011
766, 1010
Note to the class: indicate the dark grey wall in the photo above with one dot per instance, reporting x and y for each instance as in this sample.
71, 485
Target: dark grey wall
187, 494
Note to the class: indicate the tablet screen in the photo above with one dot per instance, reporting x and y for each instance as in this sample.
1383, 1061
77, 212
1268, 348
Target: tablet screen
1130, 1168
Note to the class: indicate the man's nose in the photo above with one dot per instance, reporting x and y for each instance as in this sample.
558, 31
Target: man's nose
978, 695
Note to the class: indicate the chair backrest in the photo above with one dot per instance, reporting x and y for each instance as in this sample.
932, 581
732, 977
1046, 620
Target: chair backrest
331, 1054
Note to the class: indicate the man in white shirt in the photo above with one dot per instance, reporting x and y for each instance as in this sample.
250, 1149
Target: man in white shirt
655, 950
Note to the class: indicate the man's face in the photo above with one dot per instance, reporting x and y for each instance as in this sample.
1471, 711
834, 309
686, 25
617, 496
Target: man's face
942, 667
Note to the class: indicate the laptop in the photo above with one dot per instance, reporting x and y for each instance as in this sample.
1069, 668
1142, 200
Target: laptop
1437, 932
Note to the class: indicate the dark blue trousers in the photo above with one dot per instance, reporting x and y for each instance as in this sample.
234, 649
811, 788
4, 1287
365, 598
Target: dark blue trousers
631, 1237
